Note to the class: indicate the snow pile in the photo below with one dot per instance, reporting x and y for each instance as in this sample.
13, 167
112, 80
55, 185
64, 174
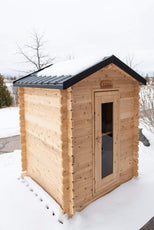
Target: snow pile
70, 67
10, 87
49, 202
24, 205
9, 122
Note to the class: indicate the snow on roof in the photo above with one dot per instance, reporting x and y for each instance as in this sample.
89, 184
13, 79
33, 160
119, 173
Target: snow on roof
70, 67
63, 75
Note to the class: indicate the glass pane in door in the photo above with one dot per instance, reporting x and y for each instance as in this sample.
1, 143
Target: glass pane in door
107, 139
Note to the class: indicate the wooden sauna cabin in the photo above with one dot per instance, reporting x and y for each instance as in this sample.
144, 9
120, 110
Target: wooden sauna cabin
79, 128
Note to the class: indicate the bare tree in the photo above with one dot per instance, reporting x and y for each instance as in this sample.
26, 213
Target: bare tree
15, 95
147, 106
34, 52
130, 61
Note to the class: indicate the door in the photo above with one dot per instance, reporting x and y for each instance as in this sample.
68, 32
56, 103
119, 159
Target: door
106, 140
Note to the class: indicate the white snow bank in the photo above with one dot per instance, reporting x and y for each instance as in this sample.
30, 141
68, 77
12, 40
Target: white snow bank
129, 206
23, 204
9, 122
10, 87
50, 203
70, 67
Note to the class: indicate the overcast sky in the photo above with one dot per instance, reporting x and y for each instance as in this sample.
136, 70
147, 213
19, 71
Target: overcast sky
79, 28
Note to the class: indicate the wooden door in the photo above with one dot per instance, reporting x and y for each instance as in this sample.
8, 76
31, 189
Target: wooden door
106, 141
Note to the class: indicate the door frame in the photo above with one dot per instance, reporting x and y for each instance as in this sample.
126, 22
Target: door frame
102, 186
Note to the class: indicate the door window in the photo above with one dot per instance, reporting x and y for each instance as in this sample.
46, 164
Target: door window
107, 139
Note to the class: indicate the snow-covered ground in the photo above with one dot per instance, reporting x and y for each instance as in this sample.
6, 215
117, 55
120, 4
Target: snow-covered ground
9, 122
10, 87
24, 205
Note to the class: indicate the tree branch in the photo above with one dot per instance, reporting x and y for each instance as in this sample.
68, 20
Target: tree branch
37, 57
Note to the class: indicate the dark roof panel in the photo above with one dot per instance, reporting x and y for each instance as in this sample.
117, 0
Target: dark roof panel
64, 81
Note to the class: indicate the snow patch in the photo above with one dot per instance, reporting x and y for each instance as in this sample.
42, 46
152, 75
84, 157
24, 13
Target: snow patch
24, 204
9, 122
43, 196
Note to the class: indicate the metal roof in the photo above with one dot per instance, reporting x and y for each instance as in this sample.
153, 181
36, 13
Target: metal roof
65, 81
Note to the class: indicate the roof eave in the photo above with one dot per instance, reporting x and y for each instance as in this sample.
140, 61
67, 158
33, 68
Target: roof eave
47, 86
37, 71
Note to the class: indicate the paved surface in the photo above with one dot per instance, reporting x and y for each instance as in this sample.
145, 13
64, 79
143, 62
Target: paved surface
149, 225
9, 144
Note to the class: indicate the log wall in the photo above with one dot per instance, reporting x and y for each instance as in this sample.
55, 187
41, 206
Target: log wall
67, 153
57, 136
110, 77
41, 134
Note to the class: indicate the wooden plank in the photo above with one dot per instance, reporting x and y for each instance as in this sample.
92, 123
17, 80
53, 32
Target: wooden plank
48, 187
46, 151
45, 113
126, 175
42, 92
43, 100
126, 108
67, 157
22, 129
80, 132
83, 203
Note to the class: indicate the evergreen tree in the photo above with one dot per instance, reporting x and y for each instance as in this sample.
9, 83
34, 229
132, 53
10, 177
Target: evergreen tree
5, 97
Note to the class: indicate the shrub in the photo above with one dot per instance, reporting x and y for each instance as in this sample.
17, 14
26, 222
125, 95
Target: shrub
5, 97
147, 106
